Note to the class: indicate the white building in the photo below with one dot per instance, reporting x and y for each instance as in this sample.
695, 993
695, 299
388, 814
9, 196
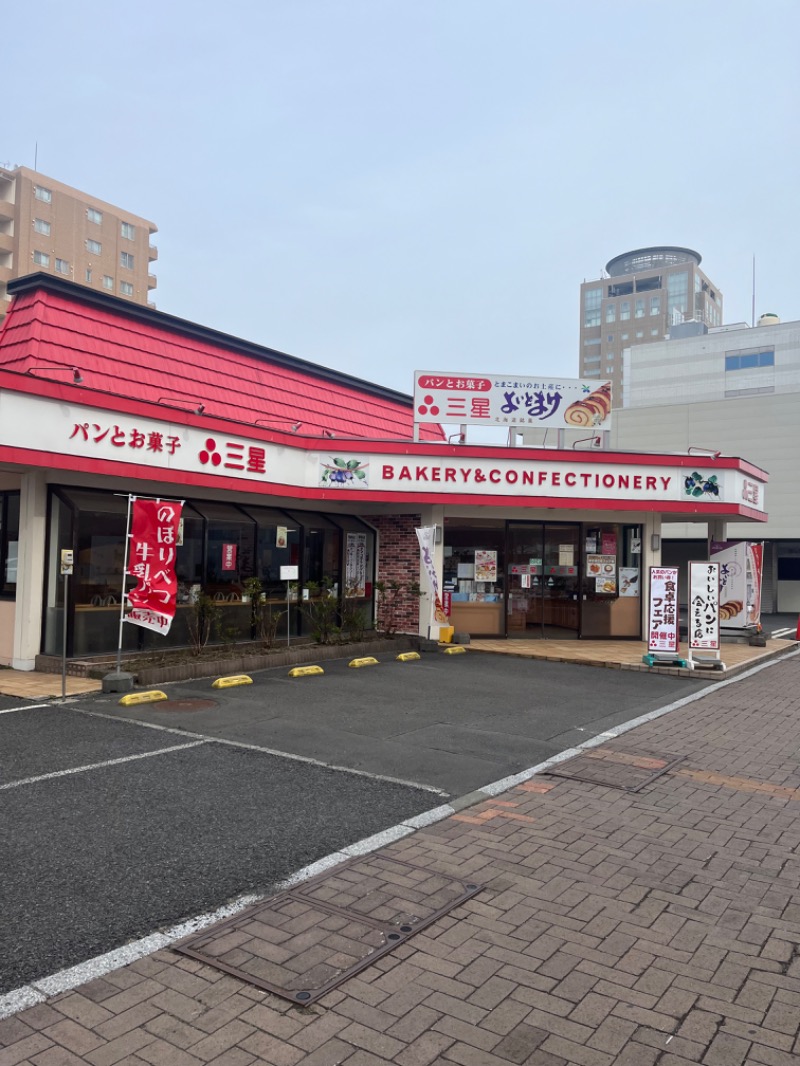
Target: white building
736, 390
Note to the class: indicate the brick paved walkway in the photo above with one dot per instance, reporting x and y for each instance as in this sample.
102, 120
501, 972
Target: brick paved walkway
657, 927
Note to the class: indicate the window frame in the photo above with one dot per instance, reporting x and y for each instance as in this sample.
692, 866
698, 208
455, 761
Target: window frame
93, 246
127, 230
91, 212
42, 226
43, 194
126, 260
126, 288
41, 258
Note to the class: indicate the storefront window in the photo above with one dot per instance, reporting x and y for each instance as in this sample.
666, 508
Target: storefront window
9, 542
474, 575
611, 603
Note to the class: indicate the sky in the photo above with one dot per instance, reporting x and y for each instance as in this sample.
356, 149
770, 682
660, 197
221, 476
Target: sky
383, 187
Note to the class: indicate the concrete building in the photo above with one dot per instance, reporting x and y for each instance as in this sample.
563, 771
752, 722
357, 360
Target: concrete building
50, 227
733, 389
639, 297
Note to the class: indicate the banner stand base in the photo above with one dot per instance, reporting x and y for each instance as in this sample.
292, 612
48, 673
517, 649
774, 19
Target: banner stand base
118, 681
660, 658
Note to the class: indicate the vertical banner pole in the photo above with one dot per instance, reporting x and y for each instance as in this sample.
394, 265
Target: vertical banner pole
288, 616
124, 577
64, 647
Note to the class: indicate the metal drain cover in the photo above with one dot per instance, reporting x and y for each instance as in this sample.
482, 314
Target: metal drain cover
308, 940
186, 705
617, 767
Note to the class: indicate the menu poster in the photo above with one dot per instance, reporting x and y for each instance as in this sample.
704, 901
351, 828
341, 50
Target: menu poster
601, 566
485, 565
605, 585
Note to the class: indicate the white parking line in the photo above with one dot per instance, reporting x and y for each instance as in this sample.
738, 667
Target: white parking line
782, 632
27, 707
99, 765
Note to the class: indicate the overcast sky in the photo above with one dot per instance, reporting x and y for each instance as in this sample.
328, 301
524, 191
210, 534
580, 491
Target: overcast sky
389, 185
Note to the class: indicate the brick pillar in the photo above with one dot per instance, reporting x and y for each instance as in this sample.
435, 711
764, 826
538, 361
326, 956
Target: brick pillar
398, 560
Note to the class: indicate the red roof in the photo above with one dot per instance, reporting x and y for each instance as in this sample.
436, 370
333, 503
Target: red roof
127, 350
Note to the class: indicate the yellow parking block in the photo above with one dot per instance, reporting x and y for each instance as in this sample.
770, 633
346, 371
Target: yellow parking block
454, 649
234, 679
305, 671
370, 660
142, 697
408, 656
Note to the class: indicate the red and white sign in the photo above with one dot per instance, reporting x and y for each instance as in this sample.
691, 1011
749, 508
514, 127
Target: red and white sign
662, 626
151, 559
228, 556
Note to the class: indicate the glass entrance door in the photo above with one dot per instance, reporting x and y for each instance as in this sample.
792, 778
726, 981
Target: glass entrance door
544, 575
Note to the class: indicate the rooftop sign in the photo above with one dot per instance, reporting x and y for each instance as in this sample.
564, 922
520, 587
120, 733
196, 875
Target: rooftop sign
512, 400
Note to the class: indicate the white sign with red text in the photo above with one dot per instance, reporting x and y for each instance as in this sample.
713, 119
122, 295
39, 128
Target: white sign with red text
662, 628
107, 442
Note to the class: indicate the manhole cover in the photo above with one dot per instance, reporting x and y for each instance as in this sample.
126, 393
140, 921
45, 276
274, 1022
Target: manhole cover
185, 705
615, 767
306, 941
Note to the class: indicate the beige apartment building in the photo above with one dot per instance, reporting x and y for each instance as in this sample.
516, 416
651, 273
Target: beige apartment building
49, 227
642, 297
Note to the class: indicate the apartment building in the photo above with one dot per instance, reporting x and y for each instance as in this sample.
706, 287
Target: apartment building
49, 227
639, 297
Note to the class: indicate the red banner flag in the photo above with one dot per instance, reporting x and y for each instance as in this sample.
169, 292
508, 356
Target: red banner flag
151, 559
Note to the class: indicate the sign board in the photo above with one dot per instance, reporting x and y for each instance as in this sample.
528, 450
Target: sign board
704, 606
739, 582
67, 559
229, 556
290, 573
662, 626
512, 399
153, 546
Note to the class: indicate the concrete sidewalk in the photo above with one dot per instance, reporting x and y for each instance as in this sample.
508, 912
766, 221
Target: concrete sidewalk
660, 926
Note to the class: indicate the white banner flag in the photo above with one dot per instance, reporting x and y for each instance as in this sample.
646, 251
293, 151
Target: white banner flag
427, 539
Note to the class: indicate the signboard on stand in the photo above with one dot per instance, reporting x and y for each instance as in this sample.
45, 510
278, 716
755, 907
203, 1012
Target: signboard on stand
662, 626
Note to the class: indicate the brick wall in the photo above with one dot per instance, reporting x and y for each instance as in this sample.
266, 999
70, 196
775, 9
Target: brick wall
398, 560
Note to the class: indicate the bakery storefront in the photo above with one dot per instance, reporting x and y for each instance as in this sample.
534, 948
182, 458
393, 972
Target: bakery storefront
281, 463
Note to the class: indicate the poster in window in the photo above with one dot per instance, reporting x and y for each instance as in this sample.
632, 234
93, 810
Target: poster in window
485, 565
356, 565
608, 544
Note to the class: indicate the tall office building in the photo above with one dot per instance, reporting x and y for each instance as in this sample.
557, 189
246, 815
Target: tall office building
641, 297
47, 226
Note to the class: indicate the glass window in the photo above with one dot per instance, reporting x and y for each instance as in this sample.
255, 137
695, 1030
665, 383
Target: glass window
592, 300
678, 295
639, 309
108, 281
128, 231
126, 260
610, 338
94, 216
9, 541
624, 310
750, 360
639, 333
40, 226
611, 312
126, 288
592, 342
41, 259
62, 266
43, 194
655, 305
654, 332
95, 247
88, 275
624, 337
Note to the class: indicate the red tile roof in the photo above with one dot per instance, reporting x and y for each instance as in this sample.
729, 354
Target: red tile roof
135, 352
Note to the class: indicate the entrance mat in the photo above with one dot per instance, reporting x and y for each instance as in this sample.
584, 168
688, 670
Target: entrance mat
306, 941
617, 767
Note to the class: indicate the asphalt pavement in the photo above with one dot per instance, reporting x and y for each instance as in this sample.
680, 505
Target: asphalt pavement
119, 821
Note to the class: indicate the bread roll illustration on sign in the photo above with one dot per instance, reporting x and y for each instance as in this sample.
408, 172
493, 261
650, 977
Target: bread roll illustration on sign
592, 410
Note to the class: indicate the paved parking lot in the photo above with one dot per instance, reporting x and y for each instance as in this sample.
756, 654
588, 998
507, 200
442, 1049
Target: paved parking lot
119, 821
